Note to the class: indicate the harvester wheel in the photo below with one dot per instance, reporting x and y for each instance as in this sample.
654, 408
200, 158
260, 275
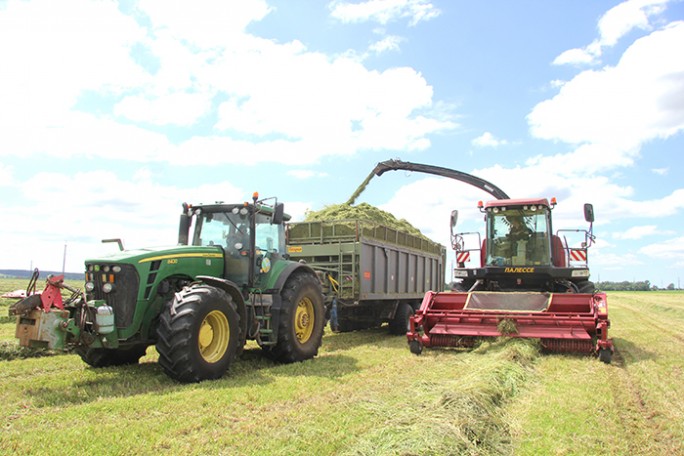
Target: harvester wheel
104, 357
302, 319
400, 323
416, 347
586, 286
198, 334
605, 355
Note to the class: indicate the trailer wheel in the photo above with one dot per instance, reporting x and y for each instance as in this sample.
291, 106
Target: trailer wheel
400, 325
416, 347
104, 357
302, 319
198, 334
605, 355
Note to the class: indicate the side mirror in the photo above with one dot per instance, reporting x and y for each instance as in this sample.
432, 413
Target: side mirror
183, 229
454, 218
278, 214
589, 213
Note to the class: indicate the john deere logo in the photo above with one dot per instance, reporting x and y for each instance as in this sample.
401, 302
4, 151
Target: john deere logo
519, 270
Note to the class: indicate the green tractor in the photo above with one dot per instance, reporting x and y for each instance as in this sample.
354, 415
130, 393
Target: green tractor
228, 281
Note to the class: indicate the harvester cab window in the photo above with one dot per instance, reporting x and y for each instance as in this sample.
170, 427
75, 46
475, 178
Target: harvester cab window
518, 237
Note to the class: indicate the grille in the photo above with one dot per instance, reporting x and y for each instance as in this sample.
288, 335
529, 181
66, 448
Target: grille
124, 296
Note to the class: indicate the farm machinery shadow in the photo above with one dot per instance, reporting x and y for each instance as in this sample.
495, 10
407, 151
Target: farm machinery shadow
251, 368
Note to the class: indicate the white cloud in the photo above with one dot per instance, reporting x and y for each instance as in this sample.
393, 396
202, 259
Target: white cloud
660, 171
621, 107
388, 43
488, 140
100, 205
180, 108
305, 173
205, 67
637, 232
6, 179
670, 249
384, 11
612, 26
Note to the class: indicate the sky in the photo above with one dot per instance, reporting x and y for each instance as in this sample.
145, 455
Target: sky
112, 114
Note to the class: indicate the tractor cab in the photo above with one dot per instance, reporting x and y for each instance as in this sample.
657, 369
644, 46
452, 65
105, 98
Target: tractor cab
520, 250
251, 236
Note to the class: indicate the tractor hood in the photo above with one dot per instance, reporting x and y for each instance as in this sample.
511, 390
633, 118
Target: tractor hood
151, 254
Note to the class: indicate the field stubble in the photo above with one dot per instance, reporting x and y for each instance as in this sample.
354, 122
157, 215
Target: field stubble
366, 394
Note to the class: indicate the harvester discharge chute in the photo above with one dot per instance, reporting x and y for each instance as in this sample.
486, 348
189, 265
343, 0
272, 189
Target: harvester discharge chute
530, 283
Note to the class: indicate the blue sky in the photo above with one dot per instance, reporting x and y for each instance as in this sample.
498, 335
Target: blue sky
114, 113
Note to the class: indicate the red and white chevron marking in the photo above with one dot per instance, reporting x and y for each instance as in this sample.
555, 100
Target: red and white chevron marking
578, 255
462, 257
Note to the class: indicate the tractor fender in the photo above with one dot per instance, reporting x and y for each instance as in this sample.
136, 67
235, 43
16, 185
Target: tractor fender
234, 291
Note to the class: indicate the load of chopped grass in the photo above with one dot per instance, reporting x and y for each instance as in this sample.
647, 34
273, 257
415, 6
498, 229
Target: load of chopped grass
363, 212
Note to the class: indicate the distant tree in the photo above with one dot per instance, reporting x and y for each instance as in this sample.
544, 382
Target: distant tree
671, 286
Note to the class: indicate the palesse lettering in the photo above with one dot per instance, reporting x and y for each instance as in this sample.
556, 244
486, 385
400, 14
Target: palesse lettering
519, 270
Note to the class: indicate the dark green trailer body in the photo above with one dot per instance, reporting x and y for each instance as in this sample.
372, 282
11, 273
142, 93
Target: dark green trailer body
370, 273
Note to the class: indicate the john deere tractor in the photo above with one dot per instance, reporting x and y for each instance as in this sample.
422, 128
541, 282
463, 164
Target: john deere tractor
228, 281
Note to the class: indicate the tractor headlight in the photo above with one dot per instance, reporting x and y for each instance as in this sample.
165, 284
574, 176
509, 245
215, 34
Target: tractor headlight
580, 273
89, 286
107, 287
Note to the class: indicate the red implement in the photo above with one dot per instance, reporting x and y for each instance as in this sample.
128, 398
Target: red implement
565, 322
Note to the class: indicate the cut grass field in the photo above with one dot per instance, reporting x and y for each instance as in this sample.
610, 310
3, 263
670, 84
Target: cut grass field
366, 394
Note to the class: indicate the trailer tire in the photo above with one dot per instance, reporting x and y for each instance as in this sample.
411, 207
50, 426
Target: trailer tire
198, 334
105, 357
302, 320
400, 325
416, 347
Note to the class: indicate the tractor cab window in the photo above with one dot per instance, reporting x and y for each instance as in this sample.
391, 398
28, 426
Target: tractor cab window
224, 229
269, 237
518, 237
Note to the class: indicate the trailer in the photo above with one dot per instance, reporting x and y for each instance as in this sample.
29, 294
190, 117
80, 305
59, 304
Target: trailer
371, 273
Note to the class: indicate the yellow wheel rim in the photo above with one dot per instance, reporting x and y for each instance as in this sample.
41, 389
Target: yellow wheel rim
214, 335
304, 320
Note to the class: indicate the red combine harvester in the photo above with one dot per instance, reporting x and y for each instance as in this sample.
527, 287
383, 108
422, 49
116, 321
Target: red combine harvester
531, 283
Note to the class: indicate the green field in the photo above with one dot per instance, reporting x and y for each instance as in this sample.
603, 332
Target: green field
364, 394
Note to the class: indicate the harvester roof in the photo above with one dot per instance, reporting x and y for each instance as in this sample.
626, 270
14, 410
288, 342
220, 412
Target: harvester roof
517, 202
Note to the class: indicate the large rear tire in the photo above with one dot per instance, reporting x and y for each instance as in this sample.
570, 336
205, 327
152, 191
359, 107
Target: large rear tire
198, 334
302, 319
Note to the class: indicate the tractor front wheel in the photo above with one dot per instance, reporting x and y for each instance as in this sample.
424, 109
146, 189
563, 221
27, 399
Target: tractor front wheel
198, 334
302, 319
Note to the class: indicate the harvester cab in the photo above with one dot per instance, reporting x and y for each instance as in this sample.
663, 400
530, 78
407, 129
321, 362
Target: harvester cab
227, 281
520, 250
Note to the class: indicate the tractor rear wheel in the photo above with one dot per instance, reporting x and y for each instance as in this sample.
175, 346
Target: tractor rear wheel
302, 319
198, 334
104, 357
586, 286
400, 325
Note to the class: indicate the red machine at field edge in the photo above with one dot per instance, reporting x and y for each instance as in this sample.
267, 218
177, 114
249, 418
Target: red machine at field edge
530, 283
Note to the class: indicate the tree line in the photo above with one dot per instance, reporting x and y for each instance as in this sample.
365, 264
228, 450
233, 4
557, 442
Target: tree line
642, 285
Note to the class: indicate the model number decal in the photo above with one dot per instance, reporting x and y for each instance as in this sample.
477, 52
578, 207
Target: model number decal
173, 261
519, 270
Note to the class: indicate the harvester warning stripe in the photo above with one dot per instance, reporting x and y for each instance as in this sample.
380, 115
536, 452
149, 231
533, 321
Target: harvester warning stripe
578, 255
462, 257
182, 255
